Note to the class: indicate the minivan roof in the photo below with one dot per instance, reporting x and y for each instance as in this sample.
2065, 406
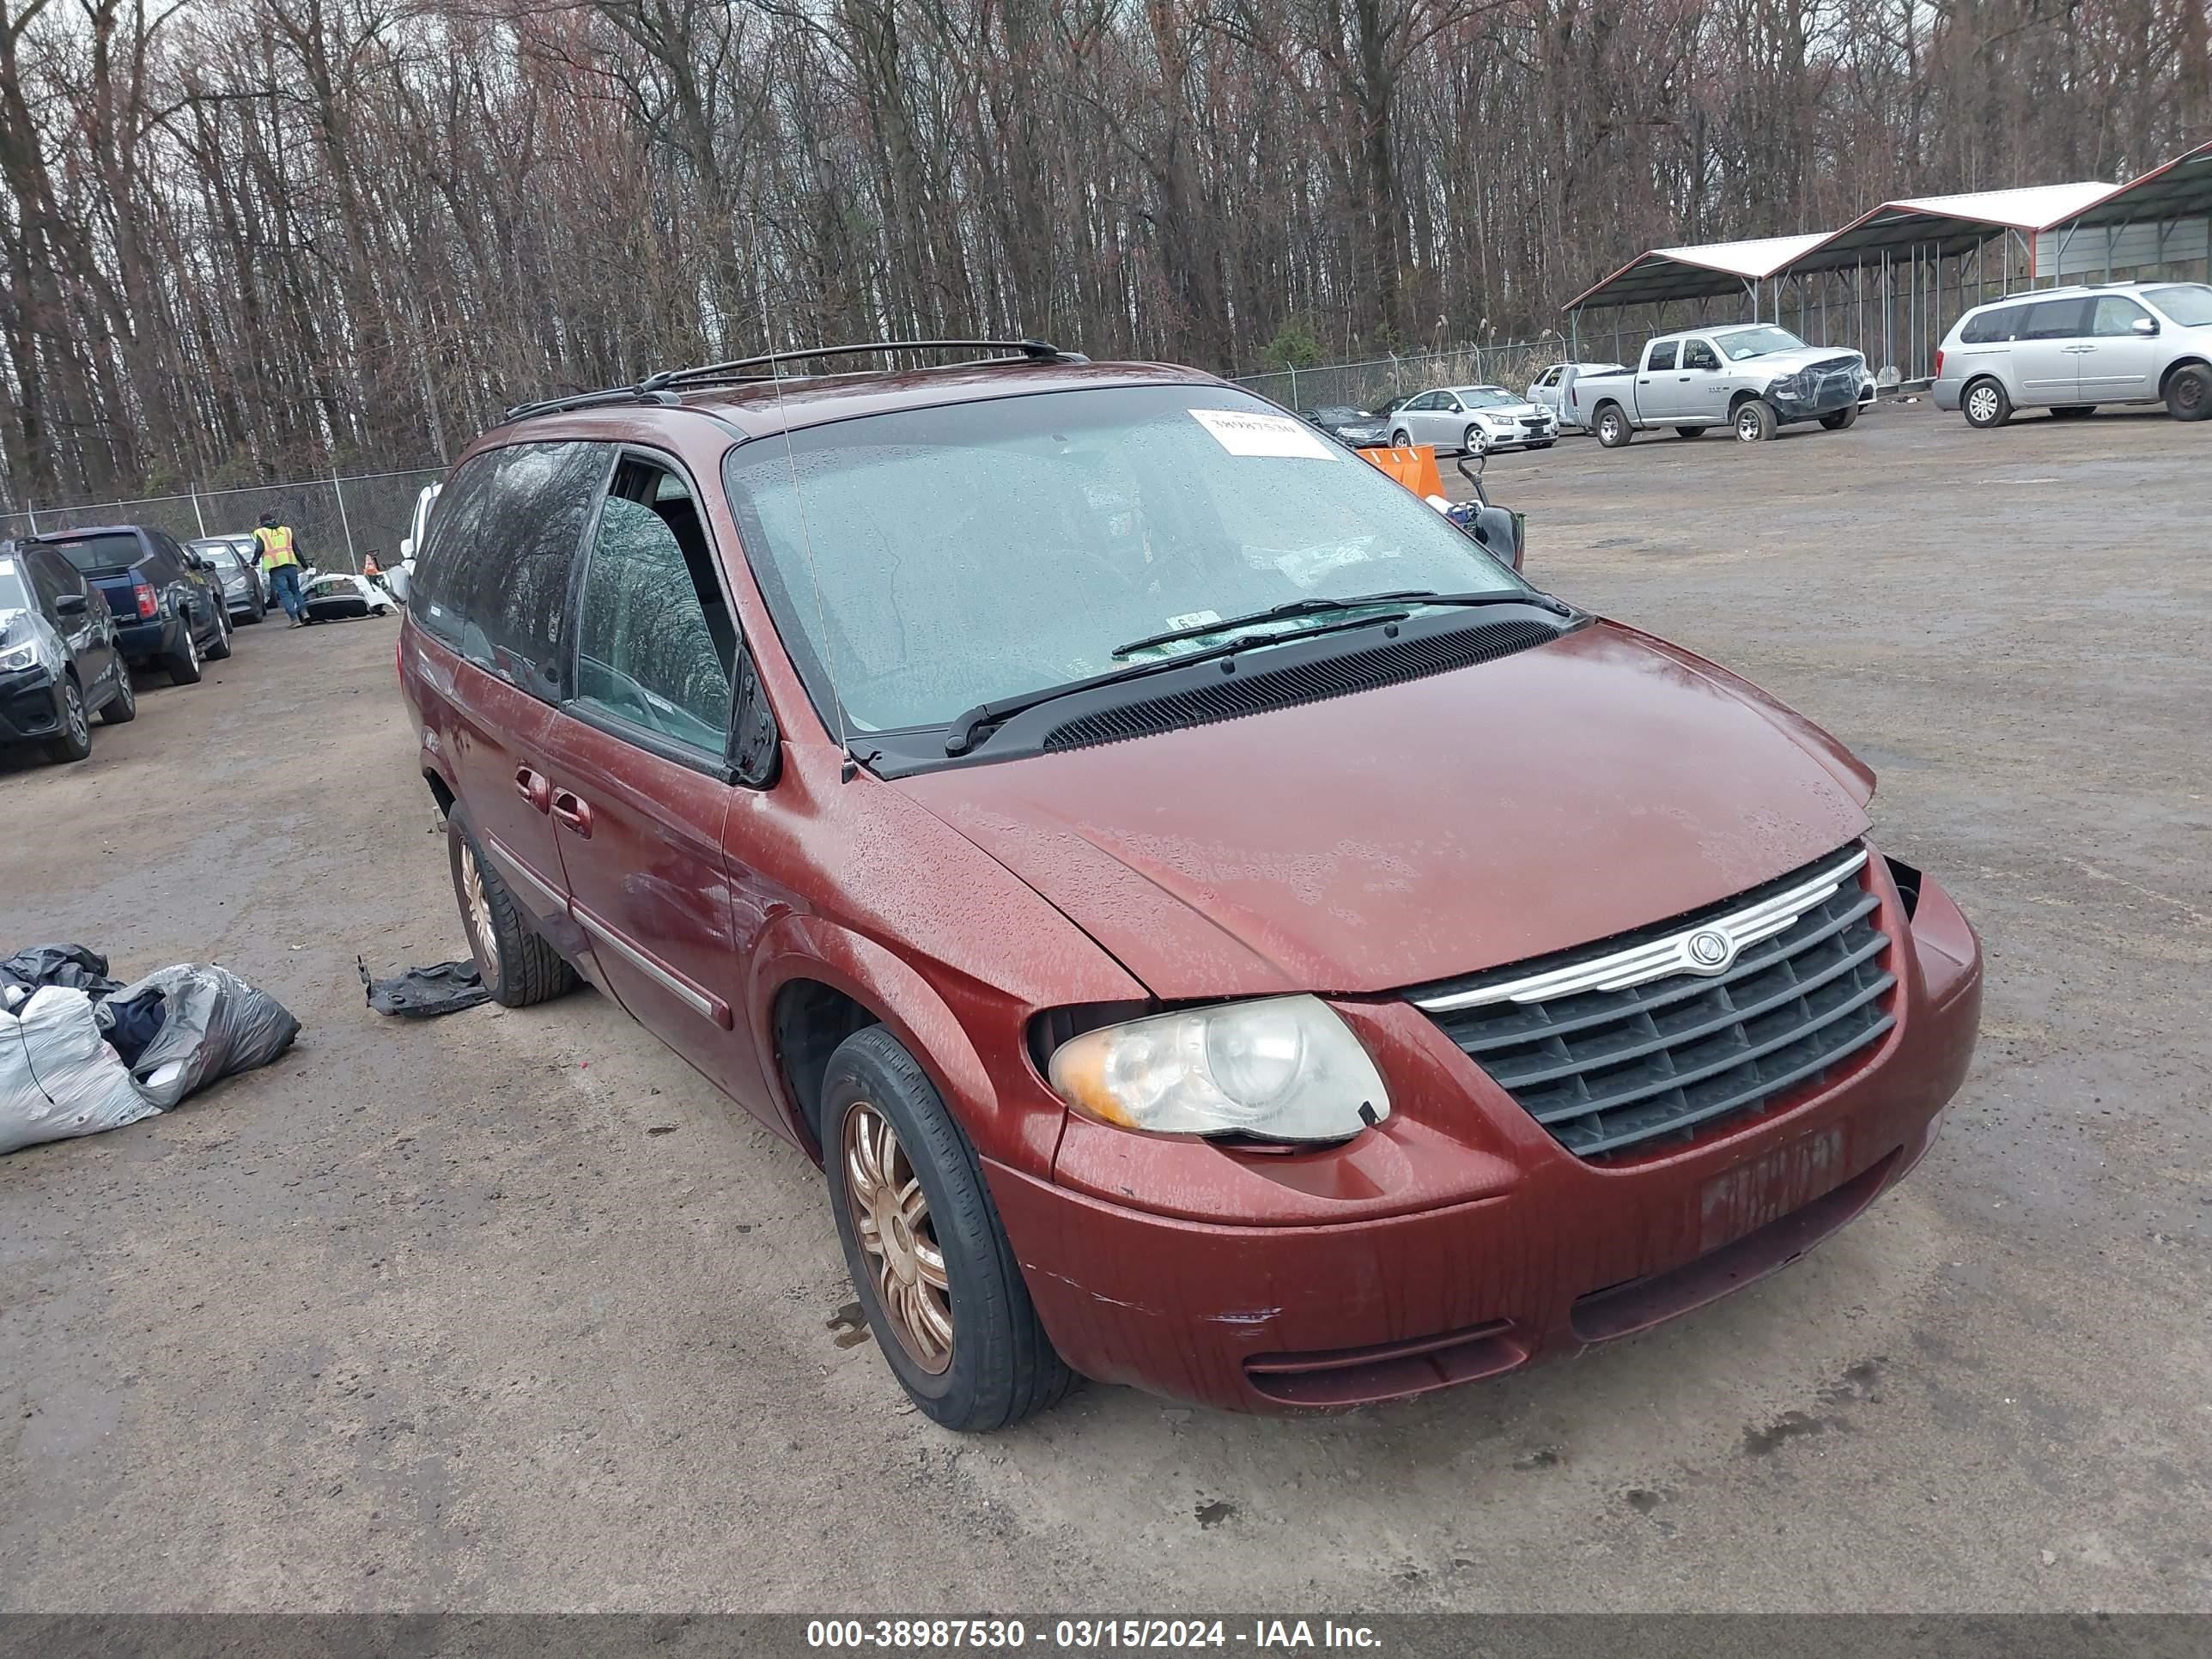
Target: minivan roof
2076, 290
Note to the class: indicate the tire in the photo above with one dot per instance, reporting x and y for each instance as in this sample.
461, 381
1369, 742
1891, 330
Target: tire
220, 648
1613, 429
1691, 431
122, 709
254, 613
1754, 420
2071, 411
1401, 439
1474, 441
979, 1360
1843, 419
75, 743
519, 968
2189, 392
184, 663
1985, 405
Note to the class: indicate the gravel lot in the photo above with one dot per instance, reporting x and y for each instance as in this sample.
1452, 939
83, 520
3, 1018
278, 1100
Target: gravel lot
508, 1311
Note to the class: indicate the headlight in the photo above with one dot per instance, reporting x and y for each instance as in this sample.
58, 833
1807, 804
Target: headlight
1283, 1069
19, 656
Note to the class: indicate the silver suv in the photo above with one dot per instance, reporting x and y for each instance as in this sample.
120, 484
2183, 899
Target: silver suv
2069, 350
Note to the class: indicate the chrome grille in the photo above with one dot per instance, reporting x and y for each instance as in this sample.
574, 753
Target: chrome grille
1660, 1032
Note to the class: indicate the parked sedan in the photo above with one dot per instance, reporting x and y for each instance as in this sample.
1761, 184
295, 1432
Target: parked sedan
60, 661
234, 567
1476, 419
1355, 426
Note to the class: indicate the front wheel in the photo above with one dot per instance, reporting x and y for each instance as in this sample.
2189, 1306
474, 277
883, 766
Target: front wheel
1475, 441
1843, 417
75, 743
1754, 421
931, 1264
1985, 405
1613, 428
122, 708
1401, 439
1690, 431
2189, 392
184, 663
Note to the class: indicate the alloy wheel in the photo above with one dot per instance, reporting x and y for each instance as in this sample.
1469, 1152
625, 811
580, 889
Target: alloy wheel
1982, 403
892, 1220
485, 936
80, 731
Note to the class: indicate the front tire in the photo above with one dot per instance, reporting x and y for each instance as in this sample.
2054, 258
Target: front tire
1401, 439
518, 967
930, 1262
123, 708
1754, 421
2189, 392
184, 663
1842, 419
75, 743
1612, 429
1475, 441
1985, 405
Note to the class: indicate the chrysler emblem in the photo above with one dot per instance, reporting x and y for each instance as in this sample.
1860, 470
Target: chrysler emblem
1709, 948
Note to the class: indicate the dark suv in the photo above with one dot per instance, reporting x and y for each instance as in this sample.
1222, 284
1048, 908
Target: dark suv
60, 661
168, 605
1219, 929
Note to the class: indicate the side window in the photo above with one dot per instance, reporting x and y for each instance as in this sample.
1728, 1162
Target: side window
1988, 327
46, 586
654, 640
494, 581
1698, 354
2056, 319
2115, 313
1661, 356
1551, 378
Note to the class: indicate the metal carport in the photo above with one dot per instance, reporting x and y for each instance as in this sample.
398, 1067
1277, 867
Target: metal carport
1660, 276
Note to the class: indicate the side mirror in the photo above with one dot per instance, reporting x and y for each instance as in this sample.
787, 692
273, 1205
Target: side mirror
71, 604
2145, 326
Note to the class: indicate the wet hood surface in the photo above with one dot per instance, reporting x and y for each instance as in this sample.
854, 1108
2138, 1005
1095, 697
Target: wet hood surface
1598, 783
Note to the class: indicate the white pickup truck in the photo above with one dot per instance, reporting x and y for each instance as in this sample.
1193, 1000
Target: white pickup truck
1753, 378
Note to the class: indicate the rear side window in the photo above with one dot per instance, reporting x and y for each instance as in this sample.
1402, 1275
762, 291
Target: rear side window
1662, 355
1996, 324
2056, 319
493, 582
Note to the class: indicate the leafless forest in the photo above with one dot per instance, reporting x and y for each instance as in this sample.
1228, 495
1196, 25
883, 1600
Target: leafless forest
253, 239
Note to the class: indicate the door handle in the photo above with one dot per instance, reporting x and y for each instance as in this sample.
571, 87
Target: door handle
533, 786
573, 811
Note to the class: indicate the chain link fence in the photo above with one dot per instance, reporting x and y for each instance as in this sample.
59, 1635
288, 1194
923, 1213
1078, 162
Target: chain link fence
340, 521
1373, 383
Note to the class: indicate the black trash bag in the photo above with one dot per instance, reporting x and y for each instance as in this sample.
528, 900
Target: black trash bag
424, 993
130, 1023
77, 966
213, 1023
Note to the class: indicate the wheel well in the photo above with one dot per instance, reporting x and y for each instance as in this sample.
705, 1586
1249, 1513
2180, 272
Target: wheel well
439, 792
1743, 395
2175, 367
809, 1021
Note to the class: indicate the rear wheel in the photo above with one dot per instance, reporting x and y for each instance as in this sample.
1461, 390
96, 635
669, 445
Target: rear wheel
122, 708
1613, 429
75, 742
184, 663
518, 967
2189, 392
1985, 405
1691, 431
2071, 411
930, 1262
1754, 421
1842, 418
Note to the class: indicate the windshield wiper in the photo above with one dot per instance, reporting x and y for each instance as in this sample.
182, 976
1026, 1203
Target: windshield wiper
1322, 606
964, 729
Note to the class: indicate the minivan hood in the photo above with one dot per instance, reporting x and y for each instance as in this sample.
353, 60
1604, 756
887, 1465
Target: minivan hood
1597, 784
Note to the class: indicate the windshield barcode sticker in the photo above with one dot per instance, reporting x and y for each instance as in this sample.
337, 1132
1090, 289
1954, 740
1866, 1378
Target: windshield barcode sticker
1245, 432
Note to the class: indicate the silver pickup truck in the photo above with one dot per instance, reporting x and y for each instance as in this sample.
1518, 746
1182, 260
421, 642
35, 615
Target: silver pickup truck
1753, 378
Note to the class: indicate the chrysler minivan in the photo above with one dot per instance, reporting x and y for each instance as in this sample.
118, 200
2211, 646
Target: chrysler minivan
1217, 928
2070, 349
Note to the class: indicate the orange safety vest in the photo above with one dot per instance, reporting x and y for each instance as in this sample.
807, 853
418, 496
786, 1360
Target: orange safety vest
276, 546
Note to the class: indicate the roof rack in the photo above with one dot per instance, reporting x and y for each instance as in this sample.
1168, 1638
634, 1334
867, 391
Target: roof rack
656, 388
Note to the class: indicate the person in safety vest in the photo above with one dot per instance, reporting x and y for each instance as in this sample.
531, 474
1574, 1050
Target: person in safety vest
275, 547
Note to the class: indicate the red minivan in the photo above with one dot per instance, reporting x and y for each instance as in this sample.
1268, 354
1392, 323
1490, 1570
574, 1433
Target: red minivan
1219, 929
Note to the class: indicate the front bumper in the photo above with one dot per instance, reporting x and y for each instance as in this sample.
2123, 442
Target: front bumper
1524, 438
1794, 405
28, 709
1554, 1253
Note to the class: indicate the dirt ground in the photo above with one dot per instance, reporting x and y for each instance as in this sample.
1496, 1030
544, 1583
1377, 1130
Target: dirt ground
508, 1311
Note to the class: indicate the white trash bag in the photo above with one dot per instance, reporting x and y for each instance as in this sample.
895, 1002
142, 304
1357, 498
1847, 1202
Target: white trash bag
58, 1078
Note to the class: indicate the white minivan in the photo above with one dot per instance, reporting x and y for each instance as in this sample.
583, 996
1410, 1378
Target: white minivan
2069, 350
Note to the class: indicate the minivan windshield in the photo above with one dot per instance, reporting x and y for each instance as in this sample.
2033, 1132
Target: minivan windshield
1761, 341
922, 561
2189, 304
